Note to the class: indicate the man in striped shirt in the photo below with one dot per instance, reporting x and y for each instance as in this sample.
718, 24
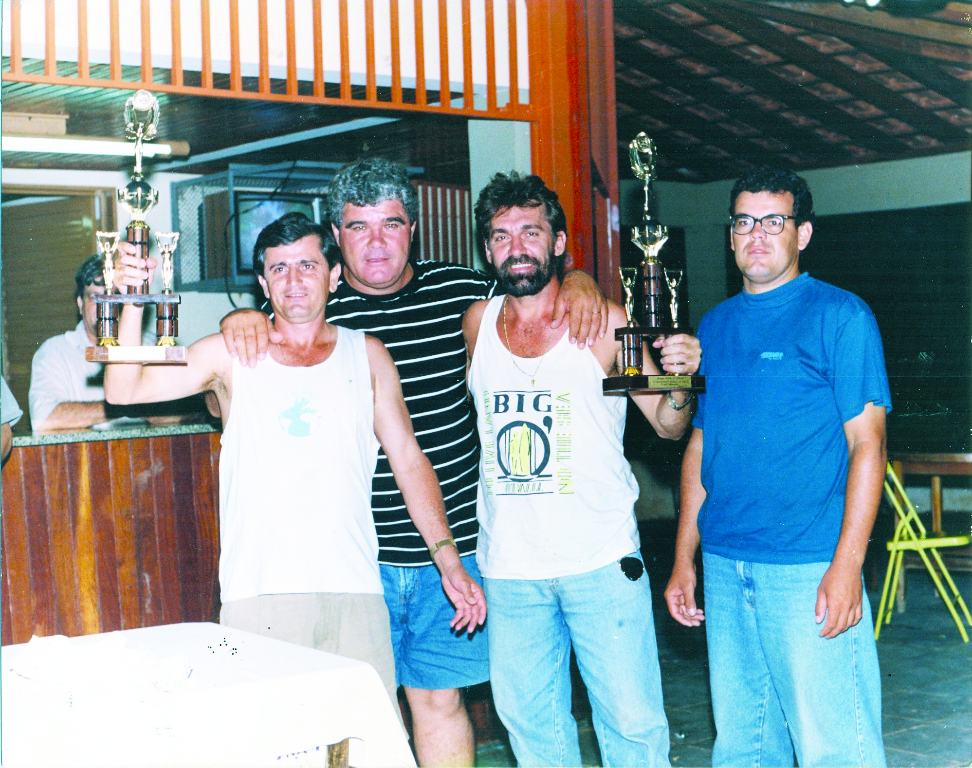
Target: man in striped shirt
416, 309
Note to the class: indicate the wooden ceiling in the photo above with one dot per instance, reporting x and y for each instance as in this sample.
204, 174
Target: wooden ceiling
723, 86
720, 86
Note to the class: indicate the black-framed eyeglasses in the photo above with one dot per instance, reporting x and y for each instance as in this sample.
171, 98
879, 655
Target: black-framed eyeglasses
772, 224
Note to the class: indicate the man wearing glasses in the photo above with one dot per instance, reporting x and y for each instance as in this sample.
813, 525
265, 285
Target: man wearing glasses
780, 484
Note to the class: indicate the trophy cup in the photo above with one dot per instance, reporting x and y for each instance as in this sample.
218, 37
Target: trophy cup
649, 237
141, 123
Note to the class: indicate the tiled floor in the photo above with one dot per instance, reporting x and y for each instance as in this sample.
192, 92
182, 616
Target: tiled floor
926, 671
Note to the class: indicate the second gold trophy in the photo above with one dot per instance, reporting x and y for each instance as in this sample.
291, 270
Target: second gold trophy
650, 236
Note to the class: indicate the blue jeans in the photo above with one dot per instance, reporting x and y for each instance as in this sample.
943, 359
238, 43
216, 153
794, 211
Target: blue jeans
428, 654
607, 618
776, 684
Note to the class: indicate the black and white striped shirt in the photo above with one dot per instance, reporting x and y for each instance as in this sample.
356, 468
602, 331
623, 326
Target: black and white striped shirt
421, 325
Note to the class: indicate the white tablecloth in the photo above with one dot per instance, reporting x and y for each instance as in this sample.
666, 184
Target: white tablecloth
190, 694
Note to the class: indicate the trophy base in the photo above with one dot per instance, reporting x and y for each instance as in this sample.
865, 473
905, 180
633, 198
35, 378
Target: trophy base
640, 330
161, 355
139, 298
652, 384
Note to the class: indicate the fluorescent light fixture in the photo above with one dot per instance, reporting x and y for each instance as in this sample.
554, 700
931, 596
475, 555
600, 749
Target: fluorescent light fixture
67, 145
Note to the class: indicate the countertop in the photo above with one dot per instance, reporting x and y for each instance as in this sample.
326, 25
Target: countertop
119, 429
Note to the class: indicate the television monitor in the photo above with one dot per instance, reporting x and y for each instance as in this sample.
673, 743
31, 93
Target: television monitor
255, 210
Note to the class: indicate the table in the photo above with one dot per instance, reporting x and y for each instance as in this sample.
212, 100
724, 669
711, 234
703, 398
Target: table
936, 465
195, 694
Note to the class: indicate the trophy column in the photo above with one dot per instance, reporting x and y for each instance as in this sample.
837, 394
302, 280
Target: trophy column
649, 237
138, 197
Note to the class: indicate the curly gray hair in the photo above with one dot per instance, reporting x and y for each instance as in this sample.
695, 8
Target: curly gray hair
369, 182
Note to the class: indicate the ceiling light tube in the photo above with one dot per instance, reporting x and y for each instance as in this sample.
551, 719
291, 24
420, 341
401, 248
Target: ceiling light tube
66, 145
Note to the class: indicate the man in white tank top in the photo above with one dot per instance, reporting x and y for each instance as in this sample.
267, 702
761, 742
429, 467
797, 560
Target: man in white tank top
558, 543
298, 548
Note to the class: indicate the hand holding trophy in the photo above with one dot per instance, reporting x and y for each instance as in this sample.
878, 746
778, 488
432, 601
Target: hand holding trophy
141, 122
650, 236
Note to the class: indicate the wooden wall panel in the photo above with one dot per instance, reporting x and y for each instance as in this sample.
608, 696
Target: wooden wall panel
165, 530
103, 529
18, 603
184, 524
126, 553
109, 535
37, 557
146, 535
205, 481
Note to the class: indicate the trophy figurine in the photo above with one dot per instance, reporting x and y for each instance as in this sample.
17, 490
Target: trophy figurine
650, 237
673, 278
167, 321
631, 350
138, 197
108, 313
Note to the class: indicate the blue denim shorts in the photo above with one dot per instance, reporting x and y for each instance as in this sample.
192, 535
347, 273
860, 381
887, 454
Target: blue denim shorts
428, 654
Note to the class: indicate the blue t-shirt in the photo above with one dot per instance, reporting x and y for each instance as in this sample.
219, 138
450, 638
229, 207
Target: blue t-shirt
784, 370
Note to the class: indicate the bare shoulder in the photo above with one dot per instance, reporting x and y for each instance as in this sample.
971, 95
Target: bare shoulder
473, 317
379, 359
606, 348
209, 354
616, 317
470, 325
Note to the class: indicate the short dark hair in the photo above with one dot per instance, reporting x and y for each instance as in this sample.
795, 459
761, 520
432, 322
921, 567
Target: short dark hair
768, 178
91, 272
370, 181
517, 190
288, 229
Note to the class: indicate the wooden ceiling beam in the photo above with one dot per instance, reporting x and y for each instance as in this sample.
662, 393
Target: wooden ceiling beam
826, 68
915, 37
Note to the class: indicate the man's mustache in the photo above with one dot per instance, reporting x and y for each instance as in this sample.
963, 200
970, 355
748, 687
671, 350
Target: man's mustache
517, 260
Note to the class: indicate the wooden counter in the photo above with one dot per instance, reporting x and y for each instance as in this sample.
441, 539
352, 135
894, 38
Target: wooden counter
110, 530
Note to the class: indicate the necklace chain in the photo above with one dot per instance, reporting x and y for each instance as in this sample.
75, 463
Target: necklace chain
533, 376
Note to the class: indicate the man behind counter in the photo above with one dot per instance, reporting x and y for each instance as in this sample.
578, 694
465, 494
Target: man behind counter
66, 391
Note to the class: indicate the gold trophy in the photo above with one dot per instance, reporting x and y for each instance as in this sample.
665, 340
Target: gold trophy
108, 313
649, 237
166, 319
141, 124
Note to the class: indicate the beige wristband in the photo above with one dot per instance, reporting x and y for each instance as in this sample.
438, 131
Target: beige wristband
450, 542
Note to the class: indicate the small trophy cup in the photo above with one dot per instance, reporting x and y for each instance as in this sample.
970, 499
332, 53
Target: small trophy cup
649, 237
141, 123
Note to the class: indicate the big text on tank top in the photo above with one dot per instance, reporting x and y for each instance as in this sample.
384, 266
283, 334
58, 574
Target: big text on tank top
556, 495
